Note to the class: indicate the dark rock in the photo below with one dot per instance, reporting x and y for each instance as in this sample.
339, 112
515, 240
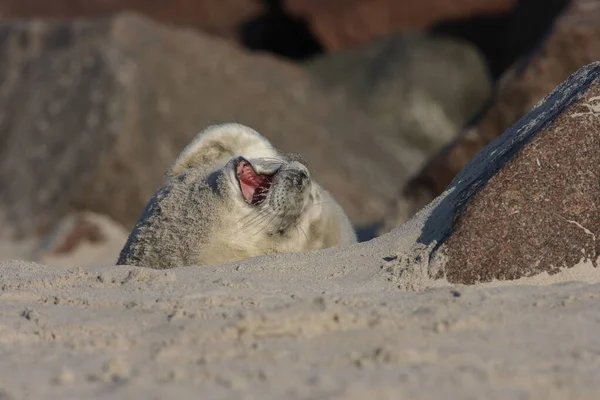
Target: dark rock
575, 42
505, 37
345, 23
94, 111
276, 31
420, 87
59, 100
528, 203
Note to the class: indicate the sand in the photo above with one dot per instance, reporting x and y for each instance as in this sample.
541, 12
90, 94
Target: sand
335, 324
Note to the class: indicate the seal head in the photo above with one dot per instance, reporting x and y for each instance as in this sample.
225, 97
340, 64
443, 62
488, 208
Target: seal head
230, 195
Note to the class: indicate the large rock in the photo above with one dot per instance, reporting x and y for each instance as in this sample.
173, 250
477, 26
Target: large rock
504, 38
528, 202
574, 42
423, 88
525, 205
344, 23
93, 112
219, 17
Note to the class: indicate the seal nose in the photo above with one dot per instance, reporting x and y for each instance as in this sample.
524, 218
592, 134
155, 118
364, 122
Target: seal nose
299, 179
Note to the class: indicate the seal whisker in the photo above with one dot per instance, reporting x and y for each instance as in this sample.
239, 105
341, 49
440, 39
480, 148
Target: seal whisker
267, 224
283, 217
322, 202
261, 215
257, 222
251, 215
305, 235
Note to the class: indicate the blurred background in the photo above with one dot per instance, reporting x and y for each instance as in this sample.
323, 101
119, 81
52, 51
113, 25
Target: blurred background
386, 99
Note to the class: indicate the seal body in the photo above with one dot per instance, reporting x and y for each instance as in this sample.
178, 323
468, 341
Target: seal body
229, 196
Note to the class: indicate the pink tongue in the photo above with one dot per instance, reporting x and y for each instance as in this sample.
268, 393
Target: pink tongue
250, 181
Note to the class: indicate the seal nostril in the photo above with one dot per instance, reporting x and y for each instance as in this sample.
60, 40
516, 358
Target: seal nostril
299, 179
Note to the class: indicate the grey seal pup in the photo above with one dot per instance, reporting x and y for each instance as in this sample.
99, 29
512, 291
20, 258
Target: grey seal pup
229, 196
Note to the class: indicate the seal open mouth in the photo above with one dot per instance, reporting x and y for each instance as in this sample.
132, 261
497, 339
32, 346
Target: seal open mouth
254, 186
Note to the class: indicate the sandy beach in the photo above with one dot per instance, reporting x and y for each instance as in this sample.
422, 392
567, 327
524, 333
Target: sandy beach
300, 326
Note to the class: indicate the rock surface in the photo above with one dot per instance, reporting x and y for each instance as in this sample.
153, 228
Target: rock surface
505, 38
532, 207
269, 331
573, 43
344, 23
419, 87
94, 111
527, 204
220, 17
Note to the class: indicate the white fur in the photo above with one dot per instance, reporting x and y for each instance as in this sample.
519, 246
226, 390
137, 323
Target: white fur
204, 218
212, 148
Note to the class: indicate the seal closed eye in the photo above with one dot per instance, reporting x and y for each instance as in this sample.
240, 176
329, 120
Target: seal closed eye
228, 196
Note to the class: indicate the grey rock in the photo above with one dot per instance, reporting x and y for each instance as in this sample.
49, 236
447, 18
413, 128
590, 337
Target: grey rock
92, 113
419, 87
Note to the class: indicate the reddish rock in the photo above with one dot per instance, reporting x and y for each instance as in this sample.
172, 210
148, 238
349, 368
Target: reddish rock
81, 239
220, 17
529, 202
342, 23
575, 42
80, 230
